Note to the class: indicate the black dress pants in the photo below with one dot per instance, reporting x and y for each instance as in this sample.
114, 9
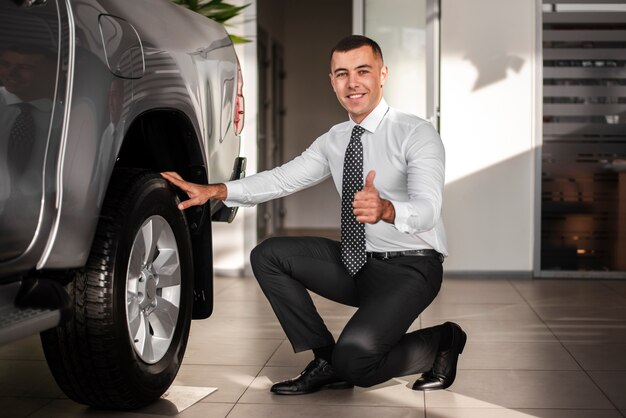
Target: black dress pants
390, 294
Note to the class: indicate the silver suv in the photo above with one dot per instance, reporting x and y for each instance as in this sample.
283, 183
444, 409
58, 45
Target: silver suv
96, 98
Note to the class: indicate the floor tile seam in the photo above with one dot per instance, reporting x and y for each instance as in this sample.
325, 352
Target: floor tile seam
232, 407
29, 397
260, 338
254, 315
40, 408
500, 369
320, 402
546, 303
525, 408
514, 341
530, 408
244, 338
260, 370
586, 372
225, 365
223, 289
568, 351
541, 319
267, 365
188, 362
206, 401
237, 299
622, 296
454, 302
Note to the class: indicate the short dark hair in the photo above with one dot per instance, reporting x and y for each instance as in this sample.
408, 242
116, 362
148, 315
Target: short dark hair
357, 41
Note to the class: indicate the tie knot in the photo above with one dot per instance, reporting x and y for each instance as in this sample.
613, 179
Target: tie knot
357, 131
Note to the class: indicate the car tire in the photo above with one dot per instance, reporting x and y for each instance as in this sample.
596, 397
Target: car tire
125, 341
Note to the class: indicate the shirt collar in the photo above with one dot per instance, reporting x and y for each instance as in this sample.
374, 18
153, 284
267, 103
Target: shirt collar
44, 105
9, 98
371, 121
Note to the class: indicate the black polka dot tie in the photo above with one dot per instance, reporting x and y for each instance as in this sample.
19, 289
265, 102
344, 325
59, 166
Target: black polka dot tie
21, 140
352, 232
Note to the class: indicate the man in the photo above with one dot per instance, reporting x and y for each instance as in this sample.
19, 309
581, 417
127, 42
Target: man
27, 83
389, 261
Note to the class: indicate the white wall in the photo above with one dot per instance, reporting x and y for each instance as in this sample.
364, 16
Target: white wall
487, 119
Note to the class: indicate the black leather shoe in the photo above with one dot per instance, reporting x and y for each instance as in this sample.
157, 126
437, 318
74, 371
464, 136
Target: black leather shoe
443, 373
317, 375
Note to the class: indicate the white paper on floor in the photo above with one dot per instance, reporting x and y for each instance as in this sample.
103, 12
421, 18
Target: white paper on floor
176, 400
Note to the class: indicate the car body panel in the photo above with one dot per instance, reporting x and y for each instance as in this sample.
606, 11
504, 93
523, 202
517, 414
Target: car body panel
184, 63
26, 217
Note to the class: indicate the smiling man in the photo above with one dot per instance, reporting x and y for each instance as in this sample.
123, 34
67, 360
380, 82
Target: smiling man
388, 167
25, 71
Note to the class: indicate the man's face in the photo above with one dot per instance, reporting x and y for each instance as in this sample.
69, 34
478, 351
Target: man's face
357, 77
28, 76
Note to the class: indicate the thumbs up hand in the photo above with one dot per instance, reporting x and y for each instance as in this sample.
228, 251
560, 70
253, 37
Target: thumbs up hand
369, 207
369, 181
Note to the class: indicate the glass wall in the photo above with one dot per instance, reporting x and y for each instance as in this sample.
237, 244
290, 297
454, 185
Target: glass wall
405, 30
583, 213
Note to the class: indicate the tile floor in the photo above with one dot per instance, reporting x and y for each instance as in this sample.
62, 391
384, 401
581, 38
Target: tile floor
553, 349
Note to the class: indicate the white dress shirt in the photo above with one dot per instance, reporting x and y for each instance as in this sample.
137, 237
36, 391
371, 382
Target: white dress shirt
408, 157
41, 112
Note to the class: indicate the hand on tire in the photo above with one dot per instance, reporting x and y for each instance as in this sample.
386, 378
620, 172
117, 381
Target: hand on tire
198, 194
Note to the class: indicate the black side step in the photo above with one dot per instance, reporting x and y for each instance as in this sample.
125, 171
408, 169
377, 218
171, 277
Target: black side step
17, 322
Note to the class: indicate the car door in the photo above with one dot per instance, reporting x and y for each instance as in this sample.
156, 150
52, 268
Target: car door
30, 81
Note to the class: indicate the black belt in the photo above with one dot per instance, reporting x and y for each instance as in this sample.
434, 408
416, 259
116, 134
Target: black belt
407, 253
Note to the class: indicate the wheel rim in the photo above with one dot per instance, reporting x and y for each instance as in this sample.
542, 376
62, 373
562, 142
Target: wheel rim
153, 285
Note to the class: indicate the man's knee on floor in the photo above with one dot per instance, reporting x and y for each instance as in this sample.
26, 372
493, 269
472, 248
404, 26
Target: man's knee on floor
356, 364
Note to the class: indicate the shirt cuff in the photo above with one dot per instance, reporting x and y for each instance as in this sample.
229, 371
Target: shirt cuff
402, 216
234, 193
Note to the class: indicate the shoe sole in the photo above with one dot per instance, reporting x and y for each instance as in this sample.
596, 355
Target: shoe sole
337, 385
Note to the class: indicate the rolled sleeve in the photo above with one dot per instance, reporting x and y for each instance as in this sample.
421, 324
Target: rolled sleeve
402, 212
415, 216
235, 194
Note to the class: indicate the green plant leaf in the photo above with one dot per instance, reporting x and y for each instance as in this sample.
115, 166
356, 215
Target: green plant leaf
216, 10
225, 14
238, 39
223, 11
